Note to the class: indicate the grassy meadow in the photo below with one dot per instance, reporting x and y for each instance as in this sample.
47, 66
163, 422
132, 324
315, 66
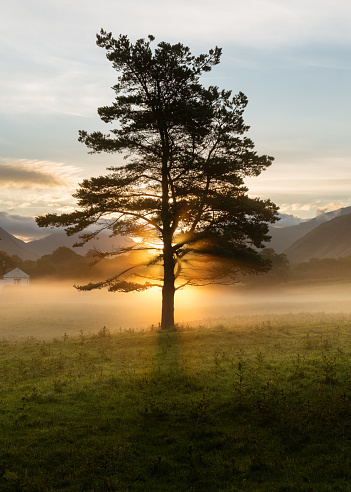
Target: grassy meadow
259, 403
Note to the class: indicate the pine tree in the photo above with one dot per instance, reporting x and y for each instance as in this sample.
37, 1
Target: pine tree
181, 192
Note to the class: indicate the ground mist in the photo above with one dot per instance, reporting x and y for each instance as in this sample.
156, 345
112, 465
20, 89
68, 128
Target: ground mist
46, 310
260, 405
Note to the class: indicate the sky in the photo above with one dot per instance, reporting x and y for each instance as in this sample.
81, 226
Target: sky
291, 59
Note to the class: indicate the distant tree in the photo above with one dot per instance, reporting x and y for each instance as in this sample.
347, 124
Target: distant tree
7, 262
181, 193
63, 263
323, 269
280, 270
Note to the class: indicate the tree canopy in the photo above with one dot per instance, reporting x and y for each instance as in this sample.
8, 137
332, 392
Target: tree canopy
181, 194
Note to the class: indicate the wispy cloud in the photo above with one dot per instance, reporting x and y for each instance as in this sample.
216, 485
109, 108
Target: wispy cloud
306, 184
290, 57
68, 73
323, 173
36, 174
313, 208
32, 187
26, 177
265, 24
63, 90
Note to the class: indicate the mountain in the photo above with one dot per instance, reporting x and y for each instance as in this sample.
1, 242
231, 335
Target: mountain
48, 244
284, 237
330, 239
287, 220
13, 246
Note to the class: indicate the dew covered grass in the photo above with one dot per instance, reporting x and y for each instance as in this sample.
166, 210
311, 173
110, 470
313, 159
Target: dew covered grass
256, 404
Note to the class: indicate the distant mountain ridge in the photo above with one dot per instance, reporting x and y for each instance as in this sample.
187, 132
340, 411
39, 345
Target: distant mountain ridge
104, 242
34, 250
296, 241
284, 237
330, 239
288, 220
14, 246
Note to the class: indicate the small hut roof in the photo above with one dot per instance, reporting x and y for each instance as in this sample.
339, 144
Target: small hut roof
16, 273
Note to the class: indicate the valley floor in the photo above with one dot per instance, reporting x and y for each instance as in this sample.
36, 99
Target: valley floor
259, 405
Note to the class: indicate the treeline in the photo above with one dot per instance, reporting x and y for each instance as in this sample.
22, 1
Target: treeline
64, 263
313, 270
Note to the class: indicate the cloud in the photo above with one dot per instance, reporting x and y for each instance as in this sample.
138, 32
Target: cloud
24, 228
322, 174
67, 88
274, 50
26, 176
33, 187
260, 23
323, 210
303, 184
314, 208
263, 24
35, 174
68, 72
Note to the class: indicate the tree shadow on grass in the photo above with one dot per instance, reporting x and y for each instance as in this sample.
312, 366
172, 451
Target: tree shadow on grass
172, 422
168, 363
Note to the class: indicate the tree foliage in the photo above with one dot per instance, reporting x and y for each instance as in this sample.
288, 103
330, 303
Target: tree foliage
181, 192
7, 262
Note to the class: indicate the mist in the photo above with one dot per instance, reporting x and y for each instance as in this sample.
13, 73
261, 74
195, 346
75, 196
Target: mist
51, 310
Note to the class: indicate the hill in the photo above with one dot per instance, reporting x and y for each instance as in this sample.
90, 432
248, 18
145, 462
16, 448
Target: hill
284, 237
50, 243
331, 239
14, 246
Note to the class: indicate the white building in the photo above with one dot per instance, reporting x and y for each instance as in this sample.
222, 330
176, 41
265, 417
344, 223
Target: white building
15, 277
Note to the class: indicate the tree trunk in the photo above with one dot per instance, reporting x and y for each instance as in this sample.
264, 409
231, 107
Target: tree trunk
168, 290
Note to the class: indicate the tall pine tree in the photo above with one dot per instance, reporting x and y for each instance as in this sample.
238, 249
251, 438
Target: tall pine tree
181, 192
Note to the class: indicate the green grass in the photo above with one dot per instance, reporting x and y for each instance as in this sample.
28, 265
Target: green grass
259, 406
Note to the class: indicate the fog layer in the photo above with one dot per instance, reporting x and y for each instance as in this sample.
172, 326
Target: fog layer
47, 311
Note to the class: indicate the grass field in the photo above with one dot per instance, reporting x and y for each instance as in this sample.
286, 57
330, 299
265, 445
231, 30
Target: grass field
257, 404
